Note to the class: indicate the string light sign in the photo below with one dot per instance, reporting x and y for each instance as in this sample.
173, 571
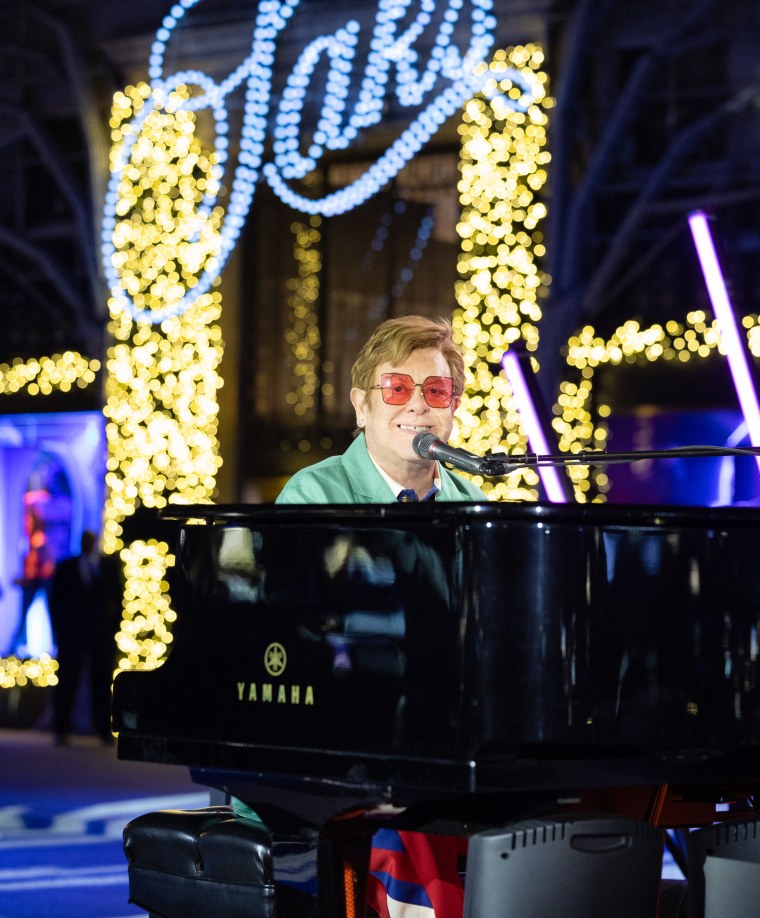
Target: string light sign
432, 91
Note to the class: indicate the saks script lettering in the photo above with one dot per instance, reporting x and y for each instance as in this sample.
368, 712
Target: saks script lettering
436, 89
268, 693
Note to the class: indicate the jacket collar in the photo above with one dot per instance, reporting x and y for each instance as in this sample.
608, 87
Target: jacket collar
367, 483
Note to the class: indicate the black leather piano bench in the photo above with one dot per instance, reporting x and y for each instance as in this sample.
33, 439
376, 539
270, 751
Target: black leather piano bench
196, 863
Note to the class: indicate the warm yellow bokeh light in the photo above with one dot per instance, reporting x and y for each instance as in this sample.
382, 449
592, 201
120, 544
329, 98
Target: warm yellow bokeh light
303, 335
503, 168
163, 379
45, 375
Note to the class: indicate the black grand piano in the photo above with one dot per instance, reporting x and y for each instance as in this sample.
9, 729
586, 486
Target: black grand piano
450, 666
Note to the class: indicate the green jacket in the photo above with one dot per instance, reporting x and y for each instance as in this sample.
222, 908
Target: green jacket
352, 478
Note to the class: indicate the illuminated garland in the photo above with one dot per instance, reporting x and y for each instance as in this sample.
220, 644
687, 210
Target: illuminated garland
145, 631
752, 324
162, 378
303, 336
503, 170
696, 338
162, 411
45, 375
18, 673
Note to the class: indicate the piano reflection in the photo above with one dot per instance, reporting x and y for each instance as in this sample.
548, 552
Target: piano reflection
449, 667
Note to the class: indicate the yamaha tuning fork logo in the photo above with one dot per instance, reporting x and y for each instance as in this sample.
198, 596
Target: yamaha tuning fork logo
275, 660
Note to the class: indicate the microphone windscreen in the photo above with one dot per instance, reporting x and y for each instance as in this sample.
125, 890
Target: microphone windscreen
423, 444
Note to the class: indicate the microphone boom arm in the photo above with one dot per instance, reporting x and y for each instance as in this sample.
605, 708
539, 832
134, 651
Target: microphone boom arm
498, 464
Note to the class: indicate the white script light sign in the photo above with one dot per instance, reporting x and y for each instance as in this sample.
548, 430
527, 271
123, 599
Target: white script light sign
432, 90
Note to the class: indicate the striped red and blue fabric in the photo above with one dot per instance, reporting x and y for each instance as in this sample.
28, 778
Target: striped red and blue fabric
415, 875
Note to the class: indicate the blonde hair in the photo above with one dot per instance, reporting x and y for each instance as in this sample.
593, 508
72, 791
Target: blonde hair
395, 339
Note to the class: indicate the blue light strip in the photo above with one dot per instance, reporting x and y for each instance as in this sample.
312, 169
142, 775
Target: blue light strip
381, 235
424, 231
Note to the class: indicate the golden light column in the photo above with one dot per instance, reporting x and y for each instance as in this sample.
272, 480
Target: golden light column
503, 169
162, 378
303, 334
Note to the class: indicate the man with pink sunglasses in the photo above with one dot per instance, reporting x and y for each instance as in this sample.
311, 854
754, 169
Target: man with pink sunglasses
407, 379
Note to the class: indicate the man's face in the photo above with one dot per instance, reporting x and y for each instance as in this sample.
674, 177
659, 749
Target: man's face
390, 429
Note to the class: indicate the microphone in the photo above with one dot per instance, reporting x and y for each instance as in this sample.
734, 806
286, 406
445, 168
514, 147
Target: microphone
428, 446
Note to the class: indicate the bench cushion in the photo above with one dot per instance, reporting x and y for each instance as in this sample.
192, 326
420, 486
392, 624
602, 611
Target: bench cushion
193, 863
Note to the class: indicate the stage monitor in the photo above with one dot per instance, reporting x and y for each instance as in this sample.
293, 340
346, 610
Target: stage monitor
724, 870
585, 866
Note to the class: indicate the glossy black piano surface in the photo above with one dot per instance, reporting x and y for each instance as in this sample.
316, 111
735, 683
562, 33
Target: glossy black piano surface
430, 649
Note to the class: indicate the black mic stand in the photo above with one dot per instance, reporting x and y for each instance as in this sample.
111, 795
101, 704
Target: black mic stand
494, 465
